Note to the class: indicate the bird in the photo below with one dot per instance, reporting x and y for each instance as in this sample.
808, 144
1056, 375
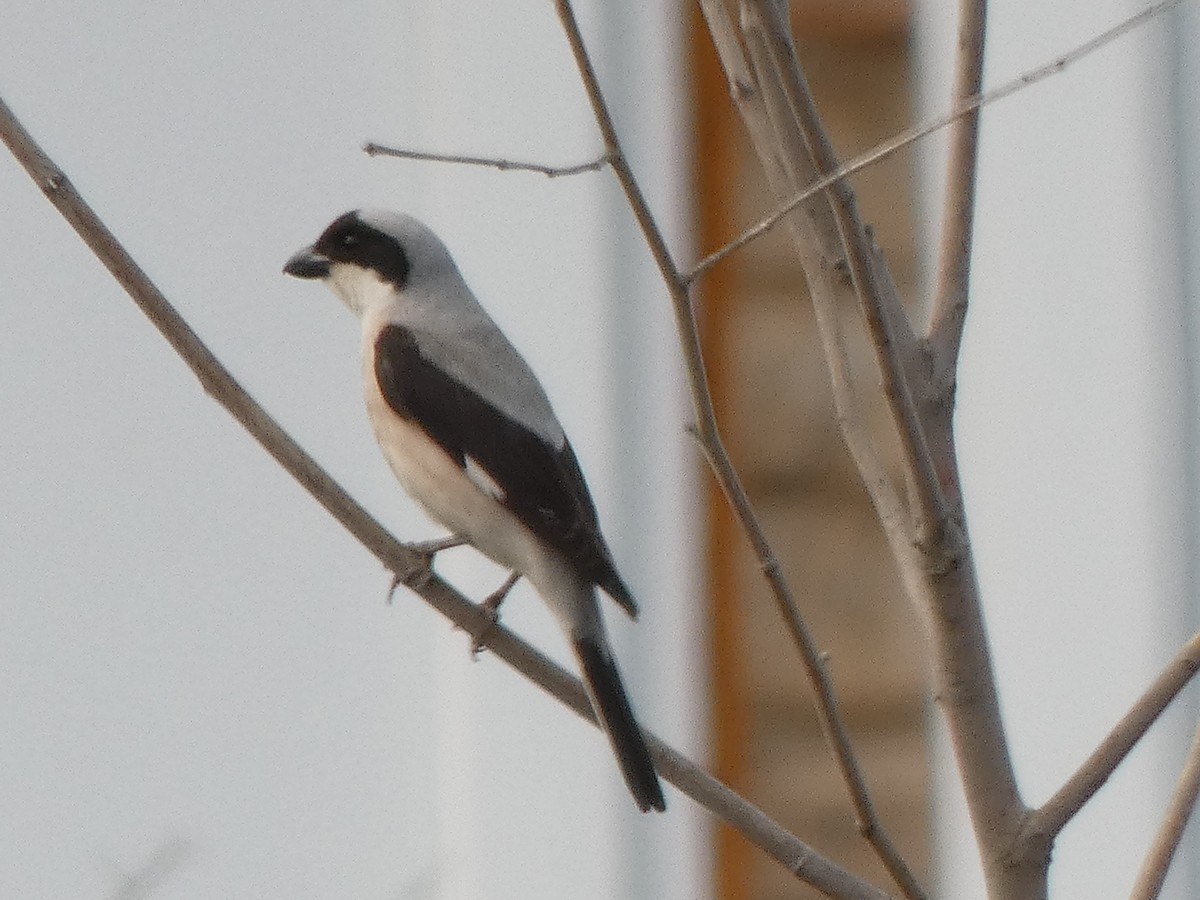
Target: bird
470, 434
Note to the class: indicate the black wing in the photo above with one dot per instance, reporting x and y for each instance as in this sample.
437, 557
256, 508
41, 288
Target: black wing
540, 484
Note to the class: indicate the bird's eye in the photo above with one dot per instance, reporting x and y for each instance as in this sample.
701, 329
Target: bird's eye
349, 239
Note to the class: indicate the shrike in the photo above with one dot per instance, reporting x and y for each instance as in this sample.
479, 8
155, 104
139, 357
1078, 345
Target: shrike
470, 435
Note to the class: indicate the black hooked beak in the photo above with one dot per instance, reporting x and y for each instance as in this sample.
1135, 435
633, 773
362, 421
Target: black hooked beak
307, 264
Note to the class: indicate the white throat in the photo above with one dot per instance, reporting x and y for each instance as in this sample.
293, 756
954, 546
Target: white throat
362, 290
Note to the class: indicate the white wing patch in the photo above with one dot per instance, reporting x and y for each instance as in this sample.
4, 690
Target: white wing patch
482, 480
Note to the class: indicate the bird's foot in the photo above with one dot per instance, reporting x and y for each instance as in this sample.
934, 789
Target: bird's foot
427, 550
491, 608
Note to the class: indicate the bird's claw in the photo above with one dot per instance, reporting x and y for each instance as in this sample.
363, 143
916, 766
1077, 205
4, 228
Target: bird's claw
427, 550
491, 608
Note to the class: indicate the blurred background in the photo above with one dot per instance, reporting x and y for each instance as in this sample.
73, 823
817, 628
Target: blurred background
204, 692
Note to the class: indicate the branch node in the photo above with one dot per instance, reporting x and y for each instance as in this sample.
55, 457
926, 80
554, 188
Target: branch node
771, 567
800, 863
743, 90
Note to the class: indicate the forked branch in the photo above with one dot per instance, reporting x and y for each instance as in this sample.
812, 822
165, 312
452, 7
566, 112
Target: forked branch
917, 377
931, 551
1053, 816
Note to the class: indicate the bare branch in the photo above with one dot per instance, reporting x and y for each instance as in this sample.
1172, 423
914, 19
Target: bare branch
410, 566
709, 436
1050, 819
885, 149
504, 165
815, 238
1183, 800
958, 213
774, 59
855, 431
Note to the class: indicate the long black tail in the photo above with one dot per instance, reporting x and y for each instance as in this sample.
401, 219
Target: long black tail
611, 703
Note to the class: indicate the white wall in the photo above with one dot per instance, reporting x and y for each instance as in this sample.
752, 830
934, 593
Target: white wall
197, 663
1076, 417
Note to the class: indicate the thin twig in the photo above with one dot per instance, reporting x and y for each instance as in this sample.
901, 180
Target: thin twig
1183, 800
904, 138
810, 866
708, 433
958, 210
504, 165
1080, 787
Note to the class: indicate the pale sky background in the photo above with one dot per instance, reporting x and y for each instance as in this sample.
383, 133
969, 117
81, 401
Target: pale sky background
197, 663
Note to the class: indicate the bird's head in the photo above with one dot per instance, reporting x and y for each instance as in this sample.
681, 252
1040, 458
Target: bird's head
371, 257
